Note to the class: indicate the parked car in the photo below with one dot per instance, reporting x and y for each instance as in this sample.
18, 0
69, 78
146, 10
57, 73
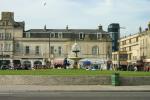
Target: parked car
5, 67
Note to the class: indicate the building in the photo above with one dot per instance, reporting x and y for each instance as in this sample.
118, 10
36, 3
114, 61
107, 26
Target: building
144, 42
9, 32
136, 46
39, 46
114, 30
119, 59
130, 44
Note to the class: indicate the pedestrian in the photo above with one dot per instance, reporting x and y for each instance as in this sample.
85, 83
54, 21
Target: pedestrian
65, 63
135, 68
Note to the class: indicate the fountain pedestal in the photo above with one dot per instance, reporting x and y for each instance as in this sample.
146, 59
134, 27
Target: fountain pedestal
76, 62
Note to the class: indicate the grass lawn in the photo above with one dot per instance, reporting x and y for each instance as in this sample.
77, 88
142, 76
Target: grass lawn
70, 72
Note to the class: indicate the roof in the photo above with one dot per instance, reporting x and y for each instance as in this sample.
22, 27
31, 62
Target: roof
19, 24
65, 30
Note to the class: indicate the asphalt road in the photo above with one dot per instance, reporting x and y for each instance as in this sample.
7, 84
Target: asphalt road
76, 96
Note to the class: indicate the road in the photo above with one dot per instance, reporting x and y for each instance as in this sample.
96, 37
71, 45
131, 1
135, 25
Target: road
76, 96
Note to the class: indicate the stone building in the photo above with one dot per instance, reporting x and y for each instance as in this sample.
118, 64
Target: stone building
144, 42
136, 46
38, 46
130, 44
9, 32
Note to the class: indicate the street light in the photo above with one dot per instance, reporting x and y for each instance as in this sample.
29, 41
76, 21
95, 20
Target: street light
49, 45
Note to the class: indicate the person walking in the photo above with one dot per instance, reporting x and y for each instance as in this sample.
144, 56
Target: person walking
65, 63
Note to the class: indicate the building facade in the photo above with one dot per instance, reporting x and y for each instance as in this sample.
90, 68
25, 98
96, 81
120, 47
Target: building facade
136, 46
144, 42
39, 46
130, 44
9, 31
114, 31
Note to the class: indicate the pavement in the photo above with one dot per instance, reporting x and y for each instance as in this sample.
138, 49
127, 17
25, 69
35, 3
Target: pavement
67, 88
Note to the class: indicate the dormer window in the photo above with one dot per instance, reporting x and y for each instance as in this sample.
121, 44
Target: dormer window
28, 34
60, 35
98, 36
81, 35
56, 35
52, 35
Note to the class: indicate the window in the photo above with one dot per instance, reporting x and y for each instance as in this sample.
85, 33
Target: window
7, 23
98, 36
2, 36
9, 47
1, 47
129, 40
27, 50
60, 35
17, 47
124, 49
52, 49
59, 50
37, 50
81, 35
28, 35
3, 23
113, 44
130, 48
52, 35
95, 50
8, 36
5, 46
56, 35
130, 56
124, 42
137, 39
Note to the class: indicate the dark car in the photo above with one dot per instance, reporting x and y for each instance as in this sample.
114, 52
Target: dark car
5, 67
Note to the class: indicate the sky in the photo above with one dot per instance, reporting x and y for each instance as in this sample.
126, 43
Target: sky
82, 14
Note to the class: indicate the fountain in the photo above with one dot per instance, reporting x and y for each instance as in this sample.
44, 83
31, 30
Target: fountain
75, 50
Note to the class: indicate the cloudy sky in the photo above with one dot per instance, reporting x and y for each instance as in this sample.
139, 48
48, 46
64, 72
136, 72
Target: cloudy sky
80, 13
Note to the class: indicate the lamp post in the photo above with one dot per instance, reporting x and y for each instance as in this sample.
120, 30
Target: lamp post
49, 46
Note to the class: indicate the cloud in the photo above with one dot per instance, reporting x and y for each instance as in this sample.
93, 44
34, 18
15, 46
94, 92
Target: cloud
80, 13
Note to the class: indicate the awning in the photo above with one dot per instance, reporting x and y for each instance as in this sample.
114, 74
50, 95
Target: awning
94, 61
58, 61
87, 62
123, 63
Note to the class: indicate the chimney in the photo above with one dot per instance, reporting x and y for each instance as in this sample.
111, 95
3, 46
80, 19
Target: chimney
100, 27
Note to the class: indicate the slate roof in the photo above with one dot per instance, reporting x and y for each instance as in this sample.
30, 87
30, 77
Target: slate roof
66, 31
19, 24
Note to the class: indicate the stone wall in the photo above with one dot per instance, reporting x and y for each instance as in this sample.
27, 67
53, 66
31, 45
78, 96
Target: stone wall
135, 81
54, 80
69, 80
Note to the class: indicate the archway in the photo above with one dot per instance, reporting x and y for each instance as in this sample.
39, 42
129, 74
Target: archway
37, 64
27, 65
